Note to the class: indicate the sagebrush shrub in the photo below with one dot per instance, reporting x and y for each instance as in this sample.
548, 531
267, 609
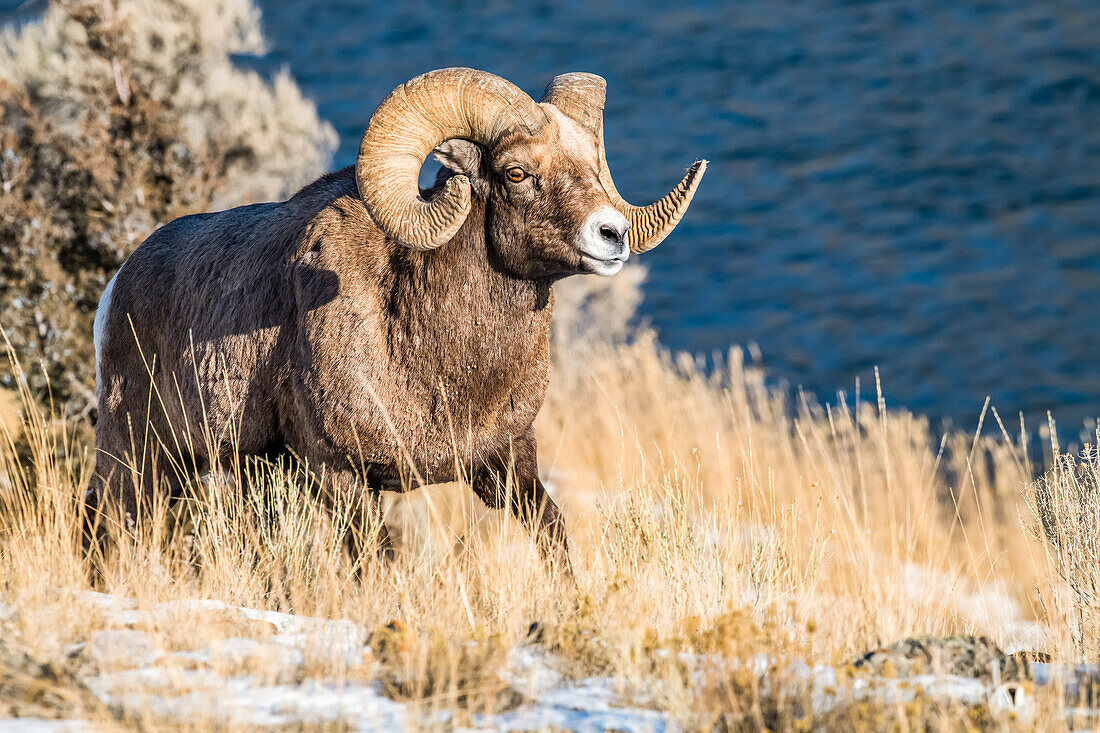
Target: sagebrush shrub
115, 117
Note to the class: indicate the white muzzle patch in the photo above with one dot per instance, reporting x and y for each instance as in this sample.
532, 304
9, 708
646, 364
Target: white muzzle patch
602, 241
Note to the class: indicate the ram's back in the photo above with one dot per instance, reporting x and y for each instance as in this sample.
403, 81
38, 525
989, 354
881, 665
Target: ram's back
201, 305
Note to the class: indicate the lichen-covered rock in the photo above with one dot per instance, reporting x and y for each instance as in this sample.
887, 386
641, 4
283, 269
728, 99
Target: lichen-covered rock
961, 655
30, 688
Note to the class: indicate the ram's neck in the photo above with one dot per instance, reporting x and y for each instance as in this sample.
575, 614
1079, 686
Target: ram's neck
458, 312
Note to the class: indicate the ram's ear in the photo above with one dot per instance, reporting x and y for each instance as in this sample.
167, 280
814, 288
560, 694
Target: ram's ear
460, 156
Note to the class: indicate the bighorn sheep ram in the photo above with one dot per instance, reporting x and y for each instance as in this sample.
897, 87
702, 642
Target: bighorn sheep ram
385, 336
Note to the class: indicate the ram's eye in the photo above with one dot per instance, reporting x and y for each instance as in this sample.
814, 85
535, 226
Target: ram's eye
515, 174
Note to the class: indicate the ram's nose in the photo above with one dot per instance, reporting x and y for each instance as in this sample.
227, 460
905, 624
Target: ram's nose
614, 233
604, 235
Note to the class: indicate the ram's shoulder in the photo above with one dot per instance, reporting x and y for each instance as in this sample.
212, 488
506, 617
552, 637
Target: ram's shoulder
336, 227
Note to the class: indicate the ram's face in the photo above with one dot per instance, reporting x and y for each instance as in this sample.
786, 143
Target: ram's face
547, 213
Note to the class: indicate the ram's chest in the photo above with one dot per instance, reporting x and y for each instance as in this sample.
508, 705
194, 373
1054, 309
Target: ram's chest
431, 388
482, 379
493, 381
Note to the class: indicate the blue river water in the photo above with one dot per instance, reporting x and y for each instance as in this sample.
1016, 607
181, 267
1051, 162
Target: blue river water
912, 184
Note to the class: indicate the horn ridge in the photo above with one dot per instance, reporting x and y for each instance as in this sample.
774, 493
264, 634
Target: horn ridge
410, 122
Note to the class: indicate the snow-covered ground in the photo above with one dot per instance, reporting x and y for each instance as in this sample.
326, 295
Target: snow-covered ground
268, 676
263, 682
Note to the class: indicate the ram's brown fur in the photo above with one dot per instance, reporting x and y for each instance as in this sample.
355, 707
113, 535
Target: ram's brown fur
301, 326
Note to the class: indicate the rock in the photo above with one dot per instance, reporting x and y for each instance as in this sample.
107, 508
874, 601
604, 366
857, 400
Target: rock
41, 690
216, 619
117, 649
43, 725
246, 656
962, 655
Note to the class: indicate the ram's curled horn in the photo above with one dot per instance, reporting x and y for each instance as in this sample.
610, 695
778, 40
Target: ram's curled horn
581, 97
416, 117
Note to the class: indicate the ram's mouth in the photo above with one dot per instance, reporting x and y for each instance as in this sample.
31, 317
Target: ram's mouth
604, 268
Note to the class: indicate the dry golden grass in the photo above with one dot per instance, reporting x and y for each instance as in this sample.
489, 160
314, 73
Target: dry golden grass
709, 517
722, 533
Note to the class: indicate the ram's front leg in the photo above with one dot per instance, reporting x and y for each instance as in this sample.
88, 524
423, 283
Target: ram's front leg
527, 499
358, 507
